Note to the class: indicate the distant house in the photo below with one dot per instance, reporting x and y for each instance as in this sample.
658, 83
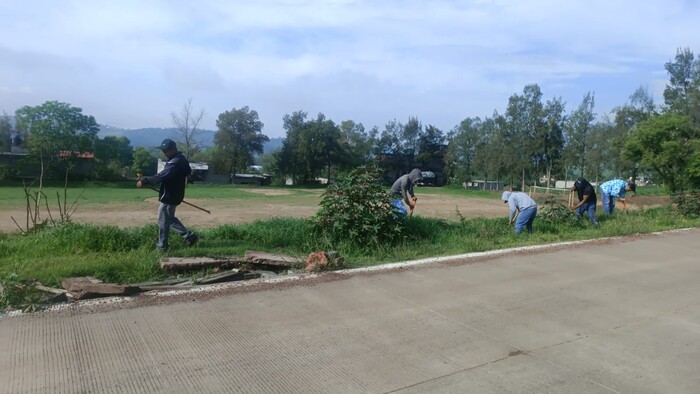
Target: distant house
483, 185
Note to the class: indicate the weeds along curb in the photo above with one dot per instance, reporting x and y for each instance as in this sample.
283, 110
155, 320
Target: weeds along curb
303, 277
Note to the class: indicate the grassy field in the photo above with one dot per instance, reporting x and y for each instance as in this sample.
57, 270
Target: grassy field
127, 255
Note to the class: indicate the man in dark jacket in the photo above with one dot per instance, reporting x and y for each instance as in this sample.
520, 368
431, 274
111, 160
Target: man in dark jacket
172, 181
402, 189
586, 200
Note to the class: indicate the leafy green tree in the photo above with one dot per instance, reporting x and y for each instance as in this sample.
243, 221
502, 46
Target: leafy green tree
357, 144
56, 133
578, 128
238, 139
680, 94
113, 155
5, 133
525, 121
390, 148
668, 145
551, 138
143, 161
464, 142
640, 107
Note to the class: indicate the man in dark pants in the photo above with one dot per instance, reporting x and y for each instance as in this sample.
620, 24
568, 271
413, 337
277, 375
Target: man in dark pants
402, 189
586, 200
172, 181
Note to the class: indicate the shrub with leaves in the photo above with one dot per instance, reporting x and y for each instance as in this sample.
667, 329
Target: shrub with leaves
554, 212
688, 203
358, 210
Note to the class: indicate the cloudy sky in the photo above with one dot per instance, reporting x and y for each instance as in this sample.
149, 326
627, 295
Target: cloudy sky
131, 63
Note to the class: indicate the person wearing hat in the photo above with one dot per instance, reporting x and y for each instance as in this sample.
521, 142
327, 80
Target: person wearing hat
523, 210
586, 200
402, 189
172, 181
615, 189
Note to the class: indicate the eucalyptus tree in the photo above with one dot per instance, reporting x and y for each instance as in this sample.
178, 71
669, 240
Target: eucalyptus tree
525, 120
464, 141
681, 93
577, 129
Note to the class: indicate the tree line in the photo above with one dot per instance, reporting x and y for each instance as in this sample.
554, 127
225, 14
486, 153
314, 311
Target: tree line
533, 139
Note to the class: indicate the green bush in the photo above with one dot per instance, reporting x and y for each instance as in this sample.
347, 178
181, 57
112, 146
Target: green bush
358, 210
688, 203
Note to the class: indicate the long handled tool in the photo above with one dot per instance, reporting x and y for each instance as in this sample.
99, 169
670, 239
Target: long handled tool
185, 202
415, 200
138, 174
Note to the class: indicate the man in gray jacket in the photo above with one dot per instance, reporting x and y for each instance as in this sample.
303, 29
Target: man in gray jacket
402, 189
523, 210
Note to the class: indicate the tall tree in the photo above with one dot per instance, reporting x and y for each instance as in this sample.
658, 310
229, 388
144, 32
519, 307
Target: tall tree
431, 152
239, 138
390, 147
357, 143
464, 142
640, 108
525, 121
684, 81
552, 137
578, 128
56, 133
187, 123
410, 136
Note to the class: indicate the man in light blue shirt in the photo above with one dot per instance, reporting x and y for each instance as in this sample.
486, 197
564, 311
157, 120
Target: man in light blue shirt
615, 189
523, 210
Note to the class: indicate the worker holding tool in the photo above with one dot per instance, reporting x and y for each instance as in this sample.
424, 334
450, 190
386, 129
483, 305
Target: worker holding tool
615, 189
172, 181
402, 189
586, 201
523, 210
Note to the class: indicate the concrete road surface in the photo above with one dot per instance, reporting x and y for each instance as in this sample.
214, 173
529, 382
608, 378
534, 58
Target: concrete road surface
623, 316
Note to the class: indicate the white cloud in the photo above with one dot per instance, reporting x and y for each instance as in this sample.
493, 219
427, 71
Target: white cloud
134, 62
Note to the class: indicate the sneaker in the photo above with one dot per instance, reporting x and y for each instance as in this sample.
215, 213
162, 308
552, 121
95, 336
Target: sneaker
192, 240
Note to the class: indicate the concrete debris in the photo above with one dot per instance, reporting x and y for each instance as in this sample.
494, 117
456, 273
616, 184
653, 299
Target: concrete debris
59, 295
195, 263
86, 287
272, 259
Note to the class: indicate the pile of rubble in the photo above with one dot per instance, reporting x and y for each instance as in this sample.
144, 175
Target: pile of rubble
224, 269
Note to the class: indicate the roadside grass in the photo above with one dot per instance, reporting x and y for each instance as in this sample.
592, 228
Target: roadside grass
127, 255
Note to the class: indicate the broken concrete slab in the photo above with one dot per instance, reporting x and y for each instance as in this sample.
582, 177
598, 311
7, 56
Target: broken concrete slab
86, 287
195, 263
228, 276
59, 295
272, 259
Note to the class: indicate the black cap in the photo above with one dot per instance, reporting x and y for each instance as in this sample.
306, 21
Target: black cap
167, 144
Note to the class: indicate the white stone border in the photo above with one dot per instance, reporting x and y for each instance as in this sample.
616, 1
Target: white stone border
348, 272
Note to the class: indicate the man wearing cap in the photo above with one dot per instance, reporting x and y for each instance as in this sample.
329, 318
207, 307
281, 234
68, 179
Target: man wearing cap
586, 200
402, 189
615, 189
523, 210
172, 181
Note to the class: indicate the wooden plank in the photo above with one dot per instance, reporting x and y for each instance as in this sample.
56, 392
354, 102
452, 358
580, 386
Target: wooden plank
273, 259
96, 290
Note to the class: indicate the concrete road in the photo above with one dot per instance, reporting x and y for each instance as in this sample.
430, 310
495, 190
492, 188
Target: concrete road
618, 317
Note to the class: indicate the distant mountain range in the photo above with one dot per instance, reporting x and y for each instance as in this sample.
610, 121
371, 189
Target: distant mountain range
152, 136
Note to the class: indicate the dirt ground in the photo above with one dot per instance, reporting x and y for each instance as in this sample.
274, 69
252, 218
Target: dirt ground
236, 211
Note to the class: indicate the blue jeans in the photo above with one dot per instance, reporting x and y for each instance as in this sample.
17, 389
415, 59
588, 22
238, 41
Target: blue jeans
588, 208
167, 221
399, 208
525, 219
608, 202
